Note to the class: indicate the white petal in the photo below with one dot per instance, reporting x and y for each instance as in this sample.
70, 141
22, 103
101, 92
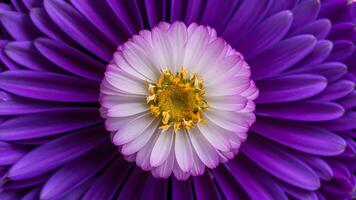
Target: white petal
162, 148
183, 151
127, 109
133, 129
204, 150
198, 166
143, 156
165, 170
228, 120
177, 34
232, 86
138, 143
215, 135
126, 84
178, 173
227, 103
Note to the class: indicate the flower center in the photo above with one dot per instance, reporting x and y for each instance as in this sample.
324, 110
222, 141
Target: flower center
177, 99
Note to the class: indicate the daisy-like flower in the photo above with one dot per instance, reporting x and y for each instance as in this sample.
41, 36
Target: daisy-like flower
177, 99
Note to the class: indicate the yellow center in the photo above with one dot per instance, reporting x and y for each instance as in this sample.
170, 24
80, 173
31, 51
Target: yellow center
177, 100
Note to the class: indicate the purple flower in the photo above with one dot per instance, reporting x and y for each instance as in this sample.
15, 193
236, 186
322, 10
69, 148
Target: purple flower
176, 83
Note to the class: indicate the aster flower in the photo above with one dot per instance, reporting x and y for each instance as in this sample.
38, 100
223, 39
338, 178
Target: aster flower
177, 99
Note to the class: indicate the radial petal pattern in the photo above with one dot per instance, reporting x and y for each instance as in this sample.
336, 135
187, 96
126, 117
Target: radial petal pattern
53, 142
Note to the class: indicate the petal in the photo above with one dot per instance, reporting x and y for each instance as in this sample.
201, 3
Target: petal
227, 103
330, 70
19, 26
78, 28
215, 135
9, 153
265, 35
303, 111
52, 154
70, 59
162, 148
204, 187
204, 150
290, 88
44, 86
336, 90
47, 124
305, 138
76, 172
342, 50
108, 183
305, 12
281, 56
183, 151
281, 164
319, 29
166, 169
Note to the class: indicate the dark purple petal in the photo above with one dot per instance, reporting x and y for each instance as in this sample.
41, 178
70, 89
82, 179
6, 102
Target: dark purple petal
11, 185
42, 21
348, 101
106, 21
70, 59
78, 28
204, 187
319, 29
320, 166
156, 11
302, 111
76, 172
10, 195
108, 183
19, 5
182, 190
49, 86
56, 152
280, 163
345, 123
32, 3
79, 191
297, 192
32, 194
226, 182
254, 181
134, 185
47, 124
281, 56
128, 14
193, 10
305, 12
19, 26
330, 70
336, 90
280, 5
290, 88
9, 153
305, 138
343, 31
342, 50
265, 34
245, 17
25, 54
155, 189
320, 52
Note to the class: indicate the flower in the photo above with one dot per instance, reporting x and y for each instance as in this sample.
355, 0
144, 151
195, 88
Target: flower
58, 57
176, 120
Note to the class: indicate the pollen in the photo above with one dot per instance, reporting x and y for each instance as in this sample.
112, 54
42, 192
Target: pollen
178, 100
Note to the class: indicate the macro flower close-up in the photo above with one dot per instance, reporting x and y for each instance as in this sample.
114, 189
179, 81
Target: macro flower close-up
177, 99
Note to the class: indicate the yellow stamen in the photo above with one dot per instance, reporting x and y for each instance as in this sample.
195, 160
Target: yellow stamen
177, 99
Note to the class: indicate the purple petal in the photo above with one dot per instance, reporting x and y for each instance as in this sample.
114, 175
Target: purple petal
193, 10
47, 124
155, 10
320, 166
227, 183
19, 6
245, 17
342, 50
254, 181
204, 187
24, 53
45, 86
343, 31
9, 153
42, 21
19, 26
302, 111
280, 163
290, 88
32, 3
331, 70
265, 34
281, 56
76, 172
182, 190
32, 194
12, 185
155, 189
70, 59
318, 28
10, 195
297, 192
128, 14
336, 90
280, 5
78, 28
134, 185
305, 12
305, 138
105, 21
348, 101
346, 122
108, 183
57, 152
